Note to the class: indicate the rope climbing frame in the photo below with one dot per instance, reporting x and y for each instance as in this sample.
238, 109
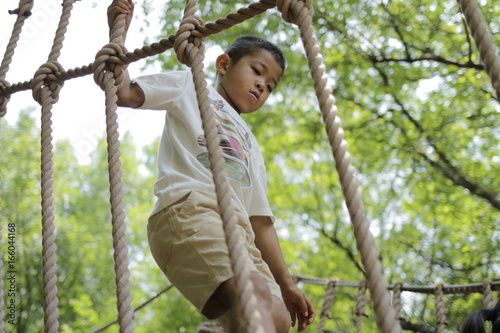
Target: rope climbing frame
188, 43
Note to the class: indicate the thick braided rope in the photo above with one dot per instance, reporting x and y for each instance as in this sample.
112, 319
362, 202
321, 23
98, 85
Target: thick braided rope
396, 299
360, 306
487, 294
484, 42
51, 302
440, 308
190, 51
107, 77
327, 304
46, 91
297, 12
23, 12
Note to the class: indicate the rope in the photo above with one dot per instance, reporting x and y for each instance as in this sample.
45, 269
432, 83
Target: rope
447, 289
189, 45
484, 42
190, 51
327, 304
300, 13
107, 75
440, 308
164, 44
360, 306
23, 12
46, 89
396, 299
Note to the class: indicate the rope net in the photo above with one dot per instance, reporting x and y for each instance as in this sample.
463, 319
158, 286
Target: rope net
188, 44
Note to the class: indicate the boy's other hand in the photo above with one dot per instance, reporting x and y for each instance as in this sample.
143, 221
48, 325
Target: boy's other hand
300, 307
120, 7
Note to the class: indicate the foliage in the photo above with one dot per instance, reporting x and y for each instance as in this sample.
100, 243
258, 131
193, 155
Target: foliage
86, 284
422, 126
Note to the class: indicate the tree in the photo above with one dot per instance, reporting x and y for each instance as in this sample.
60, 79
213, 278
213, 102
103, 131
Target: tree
85, 273
421, 121
20, 207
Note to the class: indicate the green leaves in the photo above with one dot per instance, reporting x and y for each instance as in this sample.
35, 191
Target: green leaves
421, 122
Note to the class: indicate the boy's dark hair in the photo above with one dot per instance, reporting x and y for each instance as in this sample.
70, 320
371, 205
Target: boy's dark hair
474, 323
253, 44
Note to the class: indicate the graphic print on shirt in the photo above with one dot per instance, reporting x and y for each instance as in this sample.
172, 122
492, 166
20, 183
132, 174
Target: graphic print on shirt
234, 141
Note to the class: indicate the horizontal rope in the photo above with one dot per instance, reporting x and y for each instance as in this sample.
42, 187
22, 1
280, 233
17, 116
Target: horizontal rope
447, 289
163, 45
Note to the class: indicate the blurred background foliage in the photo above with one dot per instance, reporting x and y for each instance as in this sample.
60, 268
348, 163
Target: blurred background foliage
422, 125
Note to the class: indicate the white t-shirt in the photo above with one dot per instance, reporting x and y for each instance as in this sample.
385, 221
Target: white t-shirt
183, 164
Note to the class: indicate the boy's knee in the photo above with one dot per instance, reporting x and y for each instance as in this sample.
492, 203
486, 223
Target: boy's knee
262, 292
272, 305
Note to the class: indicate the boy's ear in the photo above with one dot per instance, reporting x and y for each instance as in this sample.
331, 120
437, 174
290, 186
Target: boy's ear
222, 63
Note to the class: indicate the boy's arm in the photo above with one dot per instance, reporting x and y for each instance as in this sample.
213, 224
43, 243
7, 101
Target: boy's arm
129, 93
266, 240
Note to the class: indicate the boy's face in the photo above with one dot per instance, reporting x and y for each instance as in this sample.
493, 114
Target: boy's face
247, 84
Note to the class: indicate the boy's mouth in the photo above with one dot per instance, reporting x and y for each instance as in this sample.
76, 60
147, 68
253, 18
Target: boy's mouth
255, 95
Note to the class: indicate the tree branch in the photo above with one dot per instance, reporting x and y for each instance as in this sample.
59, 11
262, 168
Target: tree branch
430, 57
344, 248
458, 179
409, 326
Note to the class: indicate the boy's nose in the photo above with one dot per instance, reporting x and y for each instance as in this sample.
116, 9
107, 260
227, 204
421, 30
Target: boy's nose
259, 85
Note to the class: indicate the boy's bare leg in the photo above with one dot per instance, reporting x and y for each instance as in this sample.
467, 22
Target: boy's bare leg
275, 316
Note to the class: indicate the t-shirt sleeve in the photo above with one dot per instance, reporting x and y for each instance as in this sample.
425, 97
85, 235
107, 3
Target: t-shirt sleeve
162, 89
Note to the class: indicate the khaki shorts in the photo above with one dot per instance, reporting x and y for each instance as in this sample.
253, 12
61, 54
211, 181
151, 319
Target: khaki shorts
188, 244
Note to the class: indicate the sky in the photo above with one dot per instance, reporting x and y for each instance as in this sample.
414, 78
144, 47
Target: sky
79, 115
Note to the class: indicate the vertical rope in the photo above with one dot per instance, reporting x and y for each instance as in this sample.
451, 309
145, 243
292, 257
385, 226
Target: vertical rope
51, 302
108, 77
300, 13
23, 12
360, 306
190, 51
487, 294
440, 308
327, 304
46, 91
484, 42
396, 299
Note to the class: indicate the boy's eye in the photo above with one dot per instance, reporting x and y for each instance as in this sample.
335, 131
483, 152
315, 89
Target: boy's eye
256, 71
270, 88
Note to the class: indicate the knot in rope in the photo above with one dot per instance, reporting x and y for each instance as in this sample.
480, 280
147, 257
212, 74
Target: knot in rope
46, 76
292, 11
187, 45
107, 60
3, 99
24, 9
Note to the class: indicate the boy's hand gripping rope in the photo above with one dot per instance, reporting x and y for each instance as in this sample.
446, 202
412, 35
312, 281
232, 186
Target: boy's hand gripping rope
108, 75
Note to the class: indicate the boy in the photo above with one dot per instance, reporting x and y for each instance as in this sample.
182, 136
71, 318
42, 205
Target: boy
185, 230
